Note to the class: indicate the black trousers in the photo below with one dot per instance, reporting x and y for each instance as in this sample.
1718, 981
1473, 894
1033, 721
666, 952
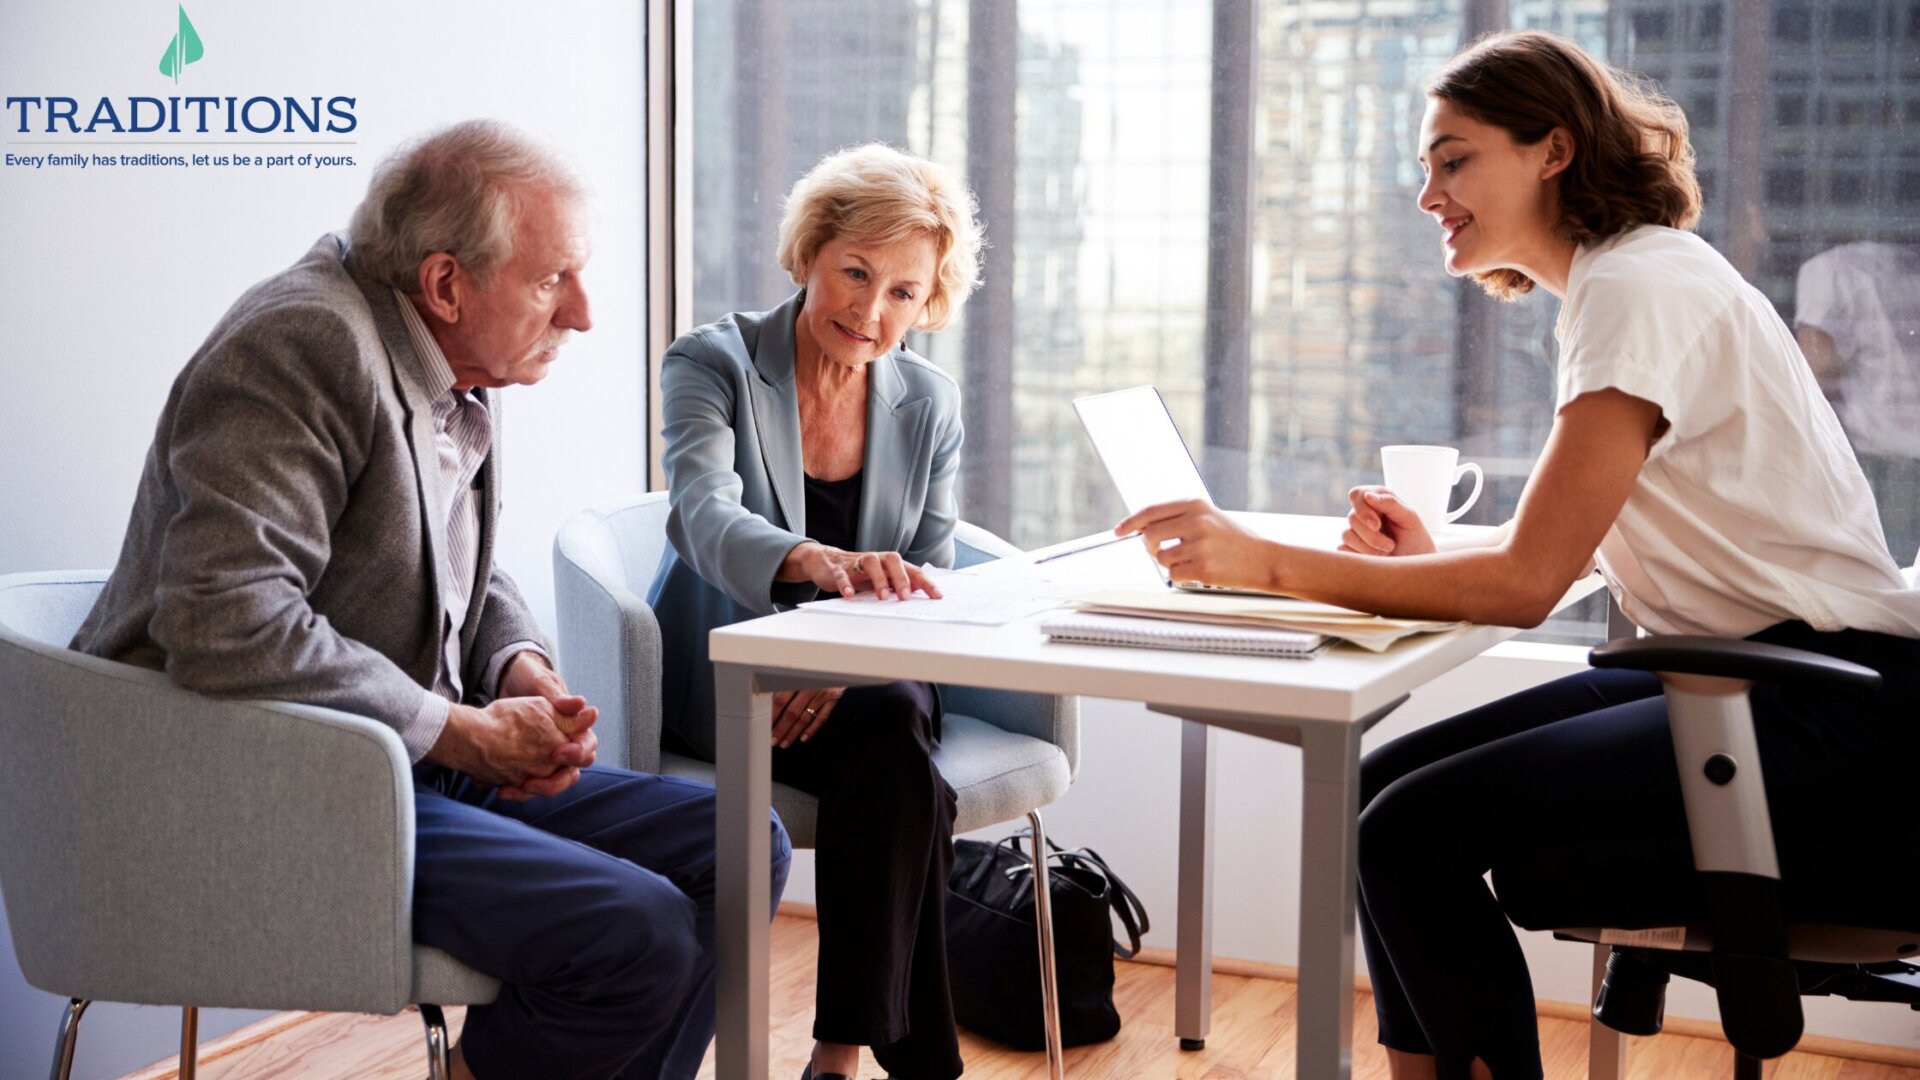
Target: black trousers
883, 851
1587, 760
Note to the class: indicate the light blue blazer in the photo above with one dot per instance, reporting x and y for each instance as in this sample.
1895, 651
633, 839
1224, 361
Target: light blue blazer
738, 494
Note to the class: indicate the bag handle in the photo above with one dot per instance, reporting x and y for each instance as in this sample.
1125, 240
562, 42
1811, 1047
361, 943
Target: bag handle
1027, 834
1126, 903
1012, 842
986, 865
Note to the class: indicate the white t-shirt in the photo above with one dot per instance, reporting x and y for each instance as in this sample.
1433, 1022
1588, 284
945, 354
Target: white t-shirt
1750, 509
1866, 297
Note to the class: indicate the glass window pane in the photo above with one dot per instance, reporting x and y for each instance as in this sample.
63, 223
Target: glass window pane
1284, 292
1817, 200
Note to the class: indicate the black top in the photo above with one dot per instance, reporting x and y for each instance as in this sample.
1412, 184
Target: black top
833, 511
833, 519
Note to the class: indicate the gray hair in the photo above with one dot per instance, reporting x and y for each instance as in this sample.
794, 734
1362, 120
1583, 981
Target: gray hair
455, 190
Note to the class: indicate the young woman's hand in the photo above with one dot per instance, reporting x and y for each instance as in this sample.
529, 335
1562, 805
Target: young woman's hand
1380, 524
1213, 548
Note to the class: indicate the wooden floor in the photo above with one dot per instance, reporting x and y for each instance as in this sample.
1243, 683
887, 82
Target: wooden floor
1253, 1036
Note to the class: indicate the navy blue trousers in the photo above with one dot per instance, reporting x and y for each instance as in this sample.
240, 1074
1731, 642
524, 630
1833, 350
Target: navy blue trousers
594, 908
1585, 760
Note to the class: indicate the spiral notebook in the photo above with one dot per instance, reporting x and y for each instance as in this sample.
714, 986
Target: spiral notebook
1082, 628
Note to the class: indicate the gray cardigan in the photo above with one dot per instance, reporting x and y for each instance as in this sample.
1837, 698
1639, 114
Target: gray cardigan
734, 473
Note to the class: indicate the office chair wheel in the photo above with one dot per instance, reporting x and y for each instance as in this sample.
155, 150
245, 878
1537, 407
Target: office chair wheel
1633, 996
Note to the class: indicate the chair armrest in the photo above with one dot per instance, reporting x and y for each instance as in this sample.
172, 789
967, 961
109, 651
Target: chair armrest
1040, 716
609, 652
1730, 658
1714, 743
157, 846
1729, 823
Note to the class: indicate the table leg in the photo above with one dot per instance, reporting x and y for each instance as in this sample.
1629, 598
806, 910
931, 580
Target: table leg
1330, 805
1193, 999
743, 729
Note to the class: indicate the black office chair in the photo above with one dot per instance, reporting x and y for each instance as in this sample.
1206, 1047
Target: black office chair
1763, 927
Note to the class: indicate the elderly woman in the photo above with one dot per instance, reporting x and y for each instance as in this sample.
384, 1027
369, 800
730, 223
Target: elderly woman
808, 451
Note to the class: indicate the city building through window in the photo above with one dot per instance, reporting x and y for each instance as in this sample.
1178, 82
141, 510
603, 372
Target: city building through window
1219, 200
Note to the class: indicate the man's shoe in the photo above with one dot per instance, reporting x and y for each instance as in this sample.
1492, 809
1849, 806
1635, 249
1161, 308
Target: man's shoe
808, 1074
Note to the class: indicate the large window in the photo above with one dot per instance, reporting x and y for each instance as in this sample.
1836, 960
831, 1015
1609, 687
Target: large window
1219, 199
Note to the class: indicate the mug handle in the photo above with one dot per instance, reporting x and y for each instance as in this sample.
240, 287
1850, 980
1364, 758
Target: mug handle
1478, 478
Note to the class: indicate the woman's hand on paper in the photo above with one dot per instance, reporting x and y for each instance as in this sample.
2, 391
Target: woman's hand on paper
1212, 548
884, 573
1380, 524
797, 714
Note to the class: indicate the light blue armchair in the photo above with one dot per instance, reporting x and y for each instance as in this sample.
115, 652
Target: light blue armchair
1005, 754
160, 847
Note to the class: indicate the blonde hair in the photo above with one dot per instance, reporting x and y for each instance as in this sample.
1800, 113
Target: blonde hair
874, 194
456, 190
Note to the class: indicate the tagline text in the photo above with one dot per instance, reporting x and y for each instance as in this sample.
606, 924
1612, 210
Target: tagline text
302, 161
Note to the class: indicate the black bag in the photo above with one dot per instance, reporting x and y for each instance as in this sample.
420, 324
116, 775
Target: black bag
992, 950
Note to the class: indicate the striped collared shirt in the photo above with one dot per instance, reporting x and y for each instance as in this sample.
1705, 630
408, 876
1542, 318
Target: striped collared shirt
463, 436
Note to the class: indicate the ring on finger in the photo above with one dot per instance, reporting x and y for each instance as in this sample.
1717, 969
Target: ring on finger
811, 709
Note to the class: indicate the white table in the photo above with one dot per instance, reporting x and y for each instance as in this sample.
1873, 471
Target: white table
1323, 706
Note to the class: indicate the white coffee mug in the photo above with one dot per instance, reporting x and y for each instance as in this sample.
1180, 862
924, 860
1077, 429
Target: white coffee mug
1423, 477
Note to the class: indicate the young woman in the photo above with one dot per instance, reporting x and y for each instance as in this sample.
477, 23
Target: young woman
1691, 455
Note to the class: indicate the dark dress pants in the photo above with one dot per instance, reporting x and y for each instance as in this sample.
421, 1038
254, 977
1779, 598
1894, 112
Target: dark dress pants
594, 908
1587, 760
883, 851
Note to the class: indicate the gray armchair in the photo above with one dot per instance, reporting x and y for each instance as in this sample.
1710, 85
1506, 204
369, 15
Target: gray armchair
160, 847
1005, 754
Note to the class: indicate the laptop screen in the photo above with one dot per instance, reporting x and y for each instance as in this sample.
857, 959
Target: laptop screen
1134, 435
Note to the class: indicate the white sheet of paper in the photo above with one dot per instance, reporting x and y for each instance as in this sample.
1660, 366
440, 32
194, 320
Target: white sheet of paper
971, 599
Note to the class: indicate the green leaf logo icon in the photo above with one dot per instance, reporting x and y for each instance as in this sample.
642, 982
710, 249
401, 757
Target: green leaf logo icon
183, 50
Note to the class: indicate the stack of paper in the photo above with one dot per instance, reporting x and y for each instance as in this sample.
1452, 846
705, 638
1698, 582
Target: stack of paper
1373, 632
965, 598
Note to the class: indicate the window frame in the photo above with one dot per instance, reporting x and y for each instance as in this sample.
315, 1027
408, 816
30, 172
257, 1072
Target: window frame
668, 203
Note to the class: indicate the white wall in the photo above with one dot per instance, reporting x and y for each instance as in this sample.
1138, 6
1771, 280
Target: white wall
1125, 801
109, 279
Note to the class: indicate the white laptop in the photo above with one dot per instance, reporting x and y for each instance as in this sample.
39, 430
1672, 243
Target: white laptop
1134, 434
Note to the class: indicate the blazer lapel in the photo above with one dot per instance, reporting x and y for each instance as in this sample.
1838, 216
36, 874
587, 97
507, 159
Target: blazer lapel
411, 377
776, 413
895, 429
488, 492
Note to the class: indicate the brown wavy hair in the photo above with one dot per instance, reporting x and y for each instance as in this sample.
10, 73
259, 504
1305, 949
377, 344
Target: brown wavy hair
1632, 162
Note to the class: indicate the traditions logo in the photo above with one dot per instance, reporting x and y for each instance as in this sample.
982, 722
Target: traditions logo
184, 49
196, 114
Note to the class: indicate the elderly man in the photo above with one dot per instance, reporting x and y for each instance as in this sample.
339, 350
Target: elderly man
315, 523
